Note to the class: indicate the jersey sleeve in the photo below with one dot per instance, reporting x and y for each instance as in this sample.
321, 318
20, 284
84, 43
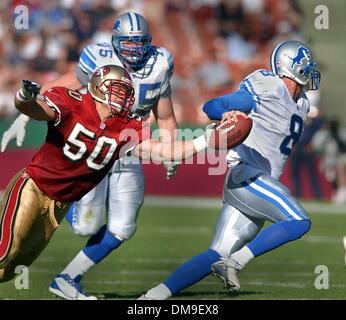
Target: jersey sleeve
240, 100
166, 85
56, 100
87, 64
263, 84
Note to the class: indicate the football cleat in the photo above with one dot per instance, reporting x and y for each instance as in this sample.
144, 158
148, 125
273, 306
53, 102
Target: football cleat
227, 270
67, 288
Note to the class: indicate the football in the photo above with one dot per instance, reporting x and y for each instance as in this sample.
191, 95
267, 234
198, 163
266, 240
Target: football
230, 134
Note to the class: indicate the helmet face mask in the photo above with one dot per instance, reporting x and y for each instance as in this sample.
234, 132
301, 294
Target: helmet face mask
118, 96
132, 41
133, 52
315, 80
112, 85
293, 59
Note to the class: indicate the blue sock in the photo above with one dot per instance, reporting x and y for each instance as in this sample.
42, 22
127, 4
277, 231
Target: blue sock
101, 244
277, 234
70, 213
192, 271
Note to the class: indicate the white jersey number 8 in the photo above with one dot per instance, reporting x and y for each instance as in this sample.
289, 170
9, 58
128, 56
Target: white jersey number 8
75, 149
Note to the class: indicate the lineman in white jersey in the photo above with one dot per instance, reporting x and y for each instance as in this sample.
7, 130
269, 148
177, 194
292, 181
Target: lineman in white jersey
277, 104
122, 191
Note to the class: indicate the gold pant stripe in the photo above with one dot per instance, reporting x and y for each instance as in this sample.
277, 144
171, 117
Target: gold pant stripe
9, 190
9, 215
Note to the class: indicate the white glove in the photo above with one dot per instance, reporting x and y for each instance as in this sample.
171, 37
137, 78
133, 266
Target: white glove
171, 167
15, 131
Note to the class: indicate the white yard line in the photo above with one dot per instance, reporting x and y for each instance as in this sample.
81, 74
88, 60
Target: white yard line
216, 203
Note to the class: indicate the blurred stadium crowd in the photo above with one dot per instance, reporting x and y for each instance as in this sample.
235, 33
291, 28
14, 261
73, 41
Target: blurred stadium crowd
215, 43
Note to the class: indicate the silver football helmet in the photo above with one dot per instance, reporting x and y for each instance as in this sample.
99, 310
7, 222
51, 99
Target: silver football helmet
294, 59
132, 40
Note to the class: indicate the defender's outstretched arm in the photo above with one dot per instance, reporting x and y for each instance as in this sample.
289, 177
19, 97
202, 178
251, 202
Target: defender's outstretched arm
25, 101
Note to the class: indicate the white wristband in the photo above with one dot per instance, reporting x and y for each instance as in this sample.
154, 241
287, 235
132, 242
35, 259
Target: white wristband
200, 143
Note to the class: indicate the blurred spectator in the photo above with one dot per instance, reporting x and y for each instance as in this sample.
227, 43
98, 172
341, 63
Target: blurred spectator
195, 31
213, 75
230, 16
331, 142
304, 158
239, 47
304, 155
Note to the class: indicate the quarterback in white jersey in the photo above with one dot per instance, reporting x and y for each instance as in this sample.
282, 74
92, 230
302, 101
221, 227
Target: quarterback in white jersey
122, 190
271, 139
277, 104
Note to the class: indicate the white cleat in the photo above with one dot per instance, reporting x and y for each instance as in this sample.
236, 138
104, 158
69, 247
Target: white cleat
344, 245
65, 287
227, 270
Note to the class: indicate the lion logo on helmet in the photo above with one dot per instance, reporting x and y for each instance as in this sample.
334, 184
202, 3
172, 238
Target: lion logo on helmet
117, 25
302, 53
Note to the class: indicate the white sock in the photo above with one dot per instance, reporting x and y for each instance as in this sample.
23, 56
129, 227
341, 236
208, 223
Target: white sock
243, 256
160, 292
80, 264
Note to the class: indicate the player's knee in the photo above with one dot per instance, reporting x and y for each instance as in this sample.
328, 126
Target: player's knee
124, 232
306, 225
86, 230
297, 228
124, 225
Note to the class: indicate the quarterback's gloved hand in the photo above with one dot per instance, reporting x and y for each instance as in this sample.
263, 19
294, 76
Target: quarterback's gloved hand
171, 168
15, 131
29, 90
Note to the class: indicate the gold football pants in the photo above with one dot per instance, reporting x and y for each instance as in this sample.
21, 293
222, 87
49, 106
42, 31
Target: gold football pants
28, 220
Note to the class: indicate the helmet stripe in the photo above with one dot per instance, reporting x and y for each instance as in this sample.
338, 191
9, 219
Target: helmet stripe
138, 23
130, 18
134, 20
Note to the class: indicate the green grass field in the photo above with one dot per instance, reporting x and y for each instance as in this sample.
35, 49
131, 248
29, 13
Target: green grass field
166, 237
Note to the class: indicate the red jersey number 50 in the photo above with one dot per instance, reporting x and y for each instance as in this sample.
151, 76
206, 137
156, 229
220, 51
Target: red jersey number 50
75, 149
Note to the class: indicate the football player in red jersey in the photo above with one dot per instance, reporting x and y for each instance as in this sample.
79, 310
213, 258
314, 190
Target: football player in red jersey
86, 134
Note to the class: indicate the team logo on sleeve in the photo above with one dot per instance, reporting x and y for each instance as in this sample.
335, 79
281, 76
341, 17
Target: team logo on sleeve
302, 53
